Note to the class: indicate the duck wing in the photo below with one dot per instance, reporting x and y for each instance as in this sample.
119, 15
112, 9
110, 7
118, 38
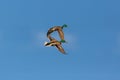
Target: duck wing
60, 48
61, 34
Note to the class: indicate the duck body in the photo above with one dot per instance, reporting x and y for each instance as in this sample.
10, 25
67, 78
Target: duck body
56, 43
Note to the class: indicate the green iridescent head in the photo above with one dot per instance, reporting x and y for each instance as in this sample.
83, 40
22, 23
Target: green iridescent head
65, 25
62, 41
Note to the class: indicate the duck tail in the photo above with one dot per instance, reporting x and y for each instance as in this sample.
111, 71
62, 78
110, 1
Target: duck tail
47, 44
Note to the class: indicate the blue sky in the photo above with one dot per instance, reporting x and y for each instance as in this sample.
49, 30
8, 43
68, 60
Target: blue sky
93, 36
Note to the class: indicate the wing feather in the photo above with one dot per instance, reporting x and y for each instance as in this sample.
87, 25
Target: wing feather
60, 48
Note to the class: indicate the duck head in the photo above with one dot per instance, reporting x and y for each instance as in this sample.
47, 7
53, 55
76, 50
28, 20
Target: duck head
65, 25
63, 41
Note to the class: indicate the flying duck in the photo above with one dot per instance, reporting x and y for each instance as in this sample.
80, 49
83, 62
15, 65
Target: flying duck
56, 43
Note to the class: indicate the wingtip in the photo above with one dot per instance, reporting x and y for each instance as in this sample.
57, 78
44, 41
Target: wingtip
65, 53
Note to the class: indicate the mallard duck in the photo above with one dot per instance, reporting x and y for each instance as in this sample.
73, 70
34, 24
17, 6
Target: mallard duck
56, 43
59, 30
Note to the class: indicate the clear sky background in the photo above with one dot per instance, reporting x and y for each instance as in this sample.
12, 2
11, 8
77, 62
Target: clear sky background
93, 36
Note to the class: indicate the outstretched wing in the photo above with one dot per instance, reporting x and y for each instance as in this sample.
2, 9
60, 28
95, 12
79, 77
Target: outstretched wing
49, 33
61, 34
59, 47
51, 30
